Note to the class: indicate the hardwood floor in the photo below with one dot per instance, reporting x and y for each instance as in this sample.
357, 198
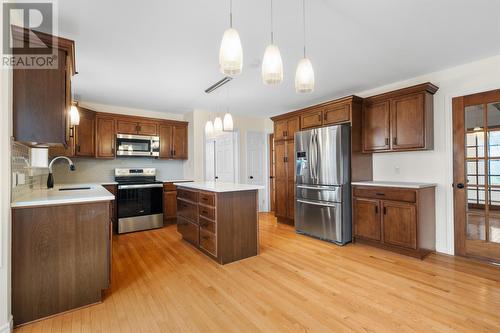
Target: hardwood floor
296, 284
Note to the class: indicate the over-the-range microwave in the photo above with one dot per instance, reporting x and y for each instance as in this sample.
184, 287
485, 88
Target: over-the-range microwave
137, 145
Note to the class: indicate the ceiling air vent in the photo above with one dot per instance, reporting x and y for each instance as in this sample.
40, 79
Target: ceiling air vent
218, 84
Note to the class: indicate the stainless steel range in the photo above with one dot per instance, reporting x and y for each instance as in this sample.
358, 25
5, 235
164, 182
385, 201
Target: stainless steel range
139, 200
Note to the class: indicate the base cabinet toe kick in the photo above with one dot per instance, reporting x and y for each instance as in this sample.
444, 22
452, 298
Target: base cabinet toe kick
222, 225
396, 219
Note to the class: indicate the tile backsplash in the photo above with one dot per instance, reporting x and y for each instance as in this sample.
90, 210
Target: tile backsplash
25, 178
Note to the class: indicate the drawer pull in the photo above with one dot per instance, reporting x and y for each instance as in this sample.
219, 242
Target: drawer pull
204, 212
204, 199
380, 194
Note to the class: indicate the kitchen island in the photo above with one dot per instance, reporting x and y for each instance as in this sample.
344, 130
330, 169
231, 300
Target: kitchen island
61, 250
220, 219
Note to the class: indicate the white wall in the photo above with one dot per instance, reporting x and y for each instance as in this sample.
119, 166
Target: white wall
5, 218
194, 168
436, 166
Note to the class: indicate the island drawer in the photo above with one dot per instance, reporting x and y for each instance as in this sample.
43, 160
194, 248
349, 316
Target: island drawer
187, 210
386, 193
208, 242
207, 212
207, 198
207, 225
188, 230
187, 194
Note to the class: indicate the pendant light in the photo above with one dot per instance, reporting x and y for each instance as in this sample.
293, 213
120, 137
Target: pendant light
209, 129
218, 127
228, 122
272, 65
304, 76
74, 116
231, 52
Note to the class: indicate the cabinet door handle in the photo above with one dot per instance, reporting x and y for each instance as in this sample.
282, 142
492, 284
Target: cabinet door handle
395, 141
376, 210
385, 210
319, 117
78, 148
325, 116
386, 141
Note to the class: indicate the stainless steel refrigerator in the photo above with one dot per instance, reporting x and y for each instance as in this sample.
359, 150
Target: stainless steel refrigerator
323, 201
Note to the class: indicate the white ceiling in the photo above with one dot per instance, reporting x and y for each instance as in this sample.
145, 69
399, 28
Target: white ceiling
162, 54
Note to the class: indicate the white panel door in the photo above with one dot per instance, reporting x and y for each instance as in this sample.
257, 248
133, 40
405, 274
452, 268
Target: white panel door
225, 155
256, 164
210, 160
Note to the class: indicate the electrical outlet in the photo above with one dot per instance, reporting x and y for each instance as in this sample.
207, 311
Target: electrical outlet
21, 179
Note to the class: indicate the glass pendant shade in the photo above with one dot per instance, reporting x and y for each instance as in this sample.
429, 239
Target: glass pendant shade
218, 126
304, 76
272, 66
209, 129
74, 116
228, 122
231, 53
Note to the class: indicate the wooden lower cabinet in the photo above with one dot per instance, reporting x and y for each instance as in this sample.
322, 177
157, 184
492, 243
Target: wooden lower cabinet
61, 258
285, 181
224, 226
169, 202
113, 189
398, 219
367, 217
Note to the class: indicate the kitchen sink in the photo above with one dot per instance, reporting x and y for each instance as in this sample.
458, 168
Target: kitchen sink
74, 188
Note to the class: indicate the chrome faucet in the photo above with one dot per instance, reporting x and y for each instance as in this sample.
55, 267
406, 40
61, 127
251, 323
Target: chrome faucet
50, 180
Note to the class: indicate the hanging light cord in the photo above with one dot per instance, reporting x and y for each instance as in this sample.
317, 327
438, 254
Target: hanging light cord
272, 25
304, 23
231, 13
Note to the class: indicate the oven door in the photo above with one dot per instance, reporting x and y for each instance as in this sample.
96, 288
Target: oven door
133, 145
140, 207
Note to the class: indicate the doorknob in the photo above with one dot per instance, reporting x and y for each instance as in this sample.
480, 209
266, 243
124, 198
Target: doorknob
251, 177
460, 185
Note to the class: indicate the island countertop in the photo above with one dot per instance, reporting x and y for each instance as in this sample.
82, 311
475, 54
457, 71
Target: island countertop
219, 187
54, 196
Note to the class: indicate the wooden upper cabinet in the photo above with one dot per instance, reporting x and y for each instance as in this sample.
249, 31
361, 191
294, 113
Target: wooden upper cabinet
129, 126
285, 129
312, 119
165, 133
180, 142
173, 141
293, 126
366, 218
147, 128
85, 134
105, 134
400, 120
126, 127
408, 122
376, 126
41, 97
337, 113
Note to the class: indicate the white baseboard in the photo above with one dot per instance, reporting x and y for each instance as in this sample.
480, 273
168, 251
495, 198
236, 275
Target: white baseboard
7, 327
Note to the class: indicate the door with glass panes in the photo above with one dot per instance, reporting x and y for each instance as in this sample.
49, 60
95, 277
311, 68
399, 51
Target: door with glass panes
476, 176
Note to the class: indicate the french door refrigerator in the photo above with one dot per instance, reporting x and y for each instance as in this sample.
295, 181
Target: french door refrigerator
323, 200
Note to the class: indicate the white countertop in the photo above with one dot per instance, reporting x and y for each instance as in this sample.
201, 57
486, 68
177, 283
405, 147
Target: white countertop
394, 184
165, 180
219, 186
52, 197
